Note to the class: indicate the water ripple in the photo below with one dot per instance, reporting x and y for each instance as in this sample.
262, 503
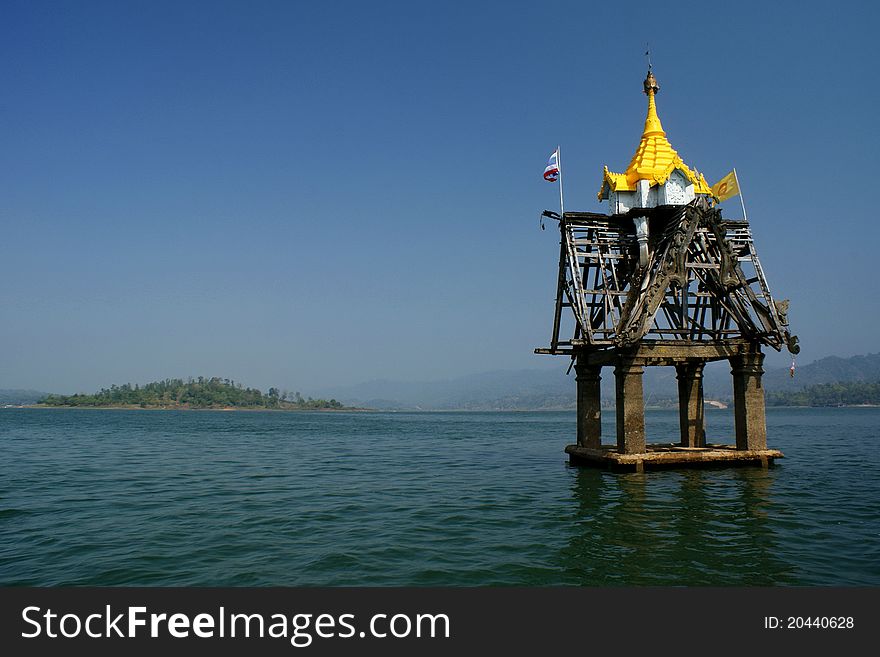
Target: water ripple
422, 499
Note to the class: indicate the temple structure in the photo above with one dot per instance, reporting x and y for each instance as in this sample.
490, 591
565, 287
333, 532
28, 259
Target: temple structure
663, 279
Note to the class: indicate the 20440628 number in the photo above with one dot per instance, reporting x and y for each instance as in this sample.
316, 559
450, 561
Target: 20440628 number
820, 622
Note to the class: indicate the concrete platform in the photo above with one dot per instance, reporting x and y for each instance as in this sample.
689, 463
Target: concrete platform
671, 456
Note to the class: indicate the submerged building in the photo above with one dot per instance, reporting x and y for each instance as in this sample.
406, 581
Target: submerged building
663, 279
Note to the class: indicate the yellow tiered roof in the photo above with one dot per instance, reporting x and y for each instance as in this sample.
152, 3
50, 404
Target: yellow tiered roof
655, 159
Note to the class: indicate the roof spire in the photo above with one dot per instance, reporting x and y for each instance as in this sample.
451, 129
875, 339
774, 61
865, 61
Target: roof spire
655, 158
652, 121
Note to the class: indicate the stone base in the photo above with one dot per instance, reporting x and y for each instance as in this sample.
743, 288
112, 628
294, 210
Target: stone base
671, 456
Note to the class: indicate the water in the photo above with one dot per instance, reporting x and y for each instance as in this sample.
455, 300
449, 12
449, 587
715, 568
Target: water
99, 497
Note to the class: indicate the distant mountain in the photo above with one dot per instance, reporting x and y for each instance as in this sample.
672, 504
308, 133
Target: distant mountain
851, 393
551, 389
832, 369
20, 397
502, 389
538, 389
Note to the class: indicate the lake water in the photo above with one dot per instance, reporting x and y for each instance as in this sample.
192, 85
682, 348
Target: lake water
99, 497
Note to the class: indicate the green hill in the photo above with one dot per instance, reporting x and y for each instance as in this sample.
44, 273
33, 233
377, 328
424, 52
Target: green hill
193, 393
852, 393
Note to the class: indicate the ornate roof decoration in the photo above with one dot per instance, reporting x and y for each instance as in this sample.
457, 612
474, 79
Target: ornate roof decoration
655, 158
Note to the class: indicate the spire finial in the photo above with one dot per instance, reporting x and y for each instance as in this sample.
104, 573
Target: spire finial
648, 55
651, 86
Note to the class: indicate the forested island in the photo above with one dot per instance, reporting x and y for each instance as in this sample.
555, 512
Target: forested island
851, 393
200, 393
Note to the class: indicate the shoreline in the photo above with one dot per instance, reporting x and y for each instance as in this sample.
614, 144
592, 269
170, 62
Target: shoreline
224, 409
232, 409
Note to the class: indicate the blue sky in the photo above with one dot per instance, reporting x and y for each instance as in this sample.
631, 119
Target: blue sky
317, 194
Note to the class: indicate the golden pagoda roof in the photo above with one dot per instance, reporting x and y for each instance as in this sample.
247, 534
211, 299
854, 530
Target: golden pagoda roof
655, 158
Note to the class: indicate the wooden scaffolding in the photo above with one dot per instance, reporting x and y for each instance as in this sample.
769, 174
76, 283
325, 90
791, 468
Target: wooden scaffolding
701, 296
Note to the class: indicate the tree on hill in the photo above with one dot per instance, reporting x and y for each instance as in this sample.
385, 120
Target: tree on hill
199, 393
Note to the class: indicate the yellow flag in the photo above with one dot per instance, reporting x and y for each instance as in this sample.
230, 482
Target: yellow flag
727, 187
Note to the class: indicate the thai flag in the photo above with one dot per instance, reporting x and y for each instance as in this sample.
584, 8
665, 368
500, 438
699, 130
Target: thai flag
551, 173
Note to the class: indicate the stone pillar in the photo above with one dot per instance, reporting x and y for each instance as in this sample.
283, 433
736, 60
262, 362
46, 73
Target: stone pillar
589, 404
748, 401
690, 403
630, 406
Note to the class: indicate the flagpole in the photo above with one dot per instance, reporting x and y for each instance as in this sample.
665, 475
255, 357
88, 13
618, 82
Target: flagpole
559, 164
741, 199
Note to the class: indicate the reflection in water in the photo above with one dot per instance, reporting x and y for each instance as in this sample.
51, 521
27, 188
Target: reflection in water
684, 527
